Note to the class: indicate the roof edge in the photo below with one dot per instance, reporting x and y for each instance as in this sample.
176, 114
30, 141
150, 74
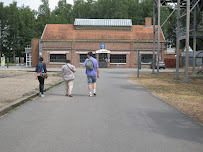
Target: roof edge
43, 31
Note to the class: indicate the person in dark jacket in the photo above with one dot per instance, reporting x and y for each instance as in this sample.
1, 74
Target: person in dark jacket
38, 71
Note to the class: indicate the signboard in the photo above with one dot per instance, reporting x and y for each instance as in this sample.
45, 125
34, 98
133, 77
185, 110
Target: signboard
17, 61
103, 51
21, 60
3, 61
102, 46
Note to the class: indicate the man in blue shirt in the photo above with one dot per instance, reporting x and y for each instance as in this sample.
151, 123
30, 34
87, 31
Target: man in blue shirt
92, 75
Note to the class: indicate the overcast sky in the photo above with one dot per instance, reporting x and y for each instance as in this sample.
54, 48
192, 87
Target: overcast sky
34, 4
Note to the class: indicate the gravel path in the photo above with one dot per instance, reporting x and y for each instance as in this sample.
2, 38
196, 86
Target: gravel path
18, 84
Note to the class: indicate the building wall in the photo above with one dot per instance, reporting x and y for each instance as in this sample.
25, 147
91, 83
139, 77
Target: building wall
170, 59
73, 49
35, 52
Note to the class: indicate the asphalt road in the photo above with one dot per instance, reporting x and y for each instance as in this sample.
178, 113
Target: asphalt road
123, 117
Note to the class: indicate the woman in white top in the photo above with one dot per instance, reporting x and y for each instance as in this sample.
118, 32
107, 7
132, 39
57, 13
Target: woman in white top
68, 77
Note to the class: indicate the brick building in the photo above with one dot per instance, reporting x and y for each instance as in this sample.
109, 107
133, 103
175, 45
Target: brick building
114, 43
170, 57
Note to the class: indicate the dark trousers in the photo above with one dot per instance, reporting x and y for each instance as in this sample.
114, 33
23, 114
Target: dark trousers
41, 84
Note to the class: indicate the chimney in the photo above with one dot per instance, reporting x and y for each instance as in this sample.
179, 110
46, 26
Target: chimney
148, 22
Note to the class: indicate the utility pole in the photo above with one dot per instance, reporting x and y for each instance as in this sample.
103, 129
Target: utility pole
177, 40
194, 40
158, 43
154, 19
0, 41
186, 79
138, 64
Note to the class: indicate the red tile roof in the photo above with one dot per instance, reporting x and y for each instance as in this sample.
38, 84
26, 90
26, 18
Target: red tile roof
67, 31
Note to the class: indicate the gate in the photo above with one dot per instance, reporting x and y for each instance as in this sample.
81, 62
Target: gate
102, 60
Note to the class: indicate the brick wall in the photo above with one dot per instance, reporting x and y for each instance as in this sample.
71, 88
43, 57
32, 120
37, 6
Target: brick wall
148, 21
75, 48
35, 52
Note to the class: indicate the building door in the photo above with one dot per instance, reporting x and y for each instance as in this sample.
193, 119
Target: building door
103, 60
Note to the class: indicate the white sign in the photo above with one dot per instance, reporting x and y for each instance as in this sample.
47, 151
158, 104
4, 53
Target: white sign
3, 61
103, 51
17, 61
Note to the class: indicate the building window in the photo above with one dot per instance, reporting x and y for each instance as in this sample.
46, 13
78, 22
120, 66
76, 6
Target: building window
146, 58
58, 58
83, 57
118, 58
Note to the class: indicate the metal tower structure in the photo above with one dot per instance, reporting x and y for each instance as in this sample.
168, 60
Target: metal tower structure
187, 6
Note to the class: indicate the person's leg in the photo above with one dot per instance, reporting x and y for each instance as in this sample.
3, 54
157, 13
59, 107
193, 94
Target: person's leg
90, 87
89, 79
94, 87
66, 85
70, 88
41, 85
94, 84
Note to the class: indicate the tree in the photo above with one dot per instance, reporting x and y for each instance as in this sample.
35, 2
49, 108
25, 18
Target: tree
43, 17
169, 28
26, 26
12, 30
62, 13
2, 27
79, 10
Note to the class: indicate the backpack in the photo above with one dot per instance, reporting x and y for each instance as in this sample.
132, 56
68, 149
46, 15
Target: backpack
89, 65
44, 74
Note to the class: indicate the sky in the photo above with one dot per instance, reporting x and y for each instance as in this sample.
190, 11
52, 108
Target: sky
34, 4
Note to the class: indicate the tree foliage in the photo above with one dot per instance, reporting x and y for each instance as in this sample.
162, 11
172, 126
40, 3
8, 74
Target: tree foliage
18, 25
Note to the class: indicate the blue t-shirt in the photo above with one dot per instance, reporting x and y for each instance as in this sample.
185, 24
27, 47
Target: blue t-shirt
93, 72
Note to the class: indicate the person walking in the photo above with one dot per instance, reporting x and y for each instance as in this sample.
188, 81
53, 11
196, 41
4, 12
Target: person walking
41, 67
68, 77
92, 71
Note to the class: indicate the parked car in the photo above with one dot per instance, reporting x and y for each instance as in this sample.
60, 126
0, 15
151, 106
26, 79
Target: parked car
161, 65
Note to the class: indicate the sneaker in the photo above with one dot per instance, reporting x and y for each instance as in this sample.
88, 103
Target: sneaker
70, 95
90, 95
42, 95
95, 94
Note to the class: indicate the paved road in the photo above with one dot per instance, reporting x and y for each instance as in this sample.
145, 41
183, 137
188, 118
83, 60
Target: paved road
124, 117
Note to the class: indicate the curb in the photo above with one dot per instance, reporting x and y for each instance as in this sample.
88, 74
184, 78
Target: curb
23, 100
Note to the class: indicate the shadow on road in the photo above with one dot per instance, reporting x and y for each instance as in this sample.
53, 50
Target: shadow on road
131, 87
168, 124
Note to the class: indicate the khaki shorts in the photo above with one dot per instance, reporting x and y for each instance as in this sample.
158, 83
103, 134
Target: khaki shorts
69, 84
